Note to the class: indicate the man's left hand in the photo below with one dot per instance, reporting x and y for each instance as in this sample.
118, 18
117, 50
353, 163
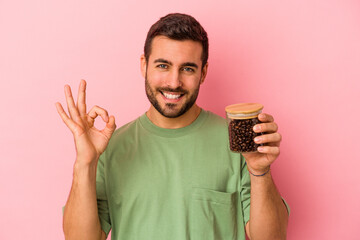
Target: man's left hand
259, 162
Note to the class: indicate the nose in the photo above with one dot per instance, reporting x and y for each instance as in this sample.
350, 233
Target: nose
173, 80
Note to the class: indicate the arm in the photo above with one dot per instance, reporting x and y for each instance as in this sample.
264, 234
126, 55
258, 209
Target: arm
81, 220
268, 213
266, 209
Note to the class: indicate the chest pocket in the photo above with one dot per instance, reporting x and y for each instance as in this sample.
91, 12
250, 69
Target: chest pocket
213, 215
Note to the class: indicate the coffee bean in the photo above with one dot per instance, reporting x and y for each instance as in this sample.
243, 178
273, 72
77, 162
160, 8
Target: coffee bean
241, 135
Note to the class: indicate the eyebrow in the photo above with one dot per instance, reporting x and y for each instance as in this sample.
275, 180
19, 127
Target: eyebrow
186, 64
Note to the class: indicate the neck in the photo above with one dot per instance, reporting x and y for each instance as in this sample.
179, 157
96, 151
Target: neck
172, 123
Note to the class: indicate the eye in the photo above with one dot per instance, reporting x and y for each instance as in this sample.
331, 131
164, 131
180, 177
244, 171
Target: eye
188, 69
162, 66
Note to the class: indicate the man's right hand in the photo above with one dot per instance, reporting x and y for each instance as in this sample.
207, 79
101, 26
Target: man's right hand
90, 142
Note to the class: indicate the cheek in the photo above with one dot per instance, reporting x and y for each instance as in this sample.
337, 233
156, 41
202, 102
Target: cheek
192, 83
156, 78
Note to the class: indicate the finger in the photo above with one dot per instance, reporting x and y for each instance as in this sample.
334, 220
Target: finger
81, 100
266, 127
74, 114
96, 111
268, 138
69, 123
269, 150
110, 127
264, 117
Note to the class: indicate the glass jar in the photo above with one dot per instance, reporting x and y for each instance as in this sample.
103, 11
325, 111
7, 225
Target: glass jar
242, 118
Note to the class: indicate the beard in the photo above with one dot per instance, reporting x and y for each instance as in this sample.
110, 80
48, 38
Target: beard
169, 110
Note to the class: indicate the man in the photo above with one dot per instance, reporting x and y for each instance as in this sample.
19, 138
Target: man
170, 174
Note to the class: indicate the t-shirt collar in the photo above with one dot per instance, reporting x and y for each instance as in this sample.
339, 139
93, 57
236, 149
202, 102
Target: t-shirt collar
178, 132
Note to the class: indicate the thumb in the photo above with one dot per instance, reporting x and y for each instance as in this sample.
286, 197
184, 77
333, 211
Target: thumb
110, 127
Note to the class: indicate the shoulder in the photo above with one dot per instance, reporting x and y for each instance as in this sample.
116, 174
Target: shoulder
215, 120
123, 133
214, 126
120, 142
125, 129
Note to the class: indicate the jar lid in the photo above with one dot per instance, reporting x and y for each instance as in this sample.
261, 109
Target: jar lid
244, 108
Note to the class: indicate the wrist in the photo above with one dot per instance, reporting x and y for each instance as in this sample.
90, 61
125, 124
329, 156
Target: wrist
83, 167
260, 172
86, 160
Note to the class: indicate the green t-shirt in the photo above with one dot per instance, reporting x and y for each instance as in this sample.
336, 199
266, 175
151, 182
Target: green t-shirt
155, 183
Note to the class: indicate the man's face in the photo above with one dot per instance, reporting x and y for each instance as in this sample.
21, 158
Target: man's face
173, 75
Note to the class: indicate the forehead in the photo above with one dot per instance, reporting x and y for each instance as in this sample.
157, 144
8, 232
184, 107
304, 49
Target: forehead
175, 51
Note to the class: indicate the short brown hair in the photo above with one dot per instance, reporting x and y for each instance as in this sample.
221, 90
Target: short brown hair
178, 26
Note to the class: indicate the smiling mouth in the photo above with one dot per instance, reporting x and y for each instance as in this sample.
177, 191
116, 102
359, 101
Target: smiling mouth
171, 95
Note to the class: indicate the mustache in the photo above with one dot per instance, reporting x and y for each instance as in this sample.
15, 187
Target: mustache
177, 90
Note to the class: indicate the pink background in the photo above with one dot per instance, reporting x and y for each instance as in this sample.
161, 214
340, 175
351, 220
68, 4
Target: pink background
300, 58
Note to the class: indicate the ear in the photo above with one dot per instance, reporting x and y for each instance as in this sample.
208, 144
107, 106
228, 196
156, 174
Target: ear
204, 72
143, 64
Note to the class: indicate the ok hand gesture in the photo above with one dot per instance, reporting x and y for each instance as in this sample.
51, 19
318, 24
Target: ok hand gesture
90, 142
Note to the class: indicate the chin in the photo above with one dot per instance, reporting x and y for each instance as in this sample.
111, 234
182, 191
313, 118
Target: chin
171, 113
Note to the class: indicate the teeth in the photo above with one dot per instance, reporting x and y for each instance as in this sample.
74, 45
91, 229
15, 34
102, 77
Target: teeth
171, 96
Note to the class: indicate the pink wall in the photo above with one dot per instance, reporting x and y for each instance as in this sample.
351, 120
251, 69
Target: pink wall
300, 58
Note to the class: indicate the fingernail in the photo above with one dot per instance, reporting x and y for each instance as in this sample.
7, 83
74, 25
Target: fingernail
260, 149
257, 139
67, 89
257, 128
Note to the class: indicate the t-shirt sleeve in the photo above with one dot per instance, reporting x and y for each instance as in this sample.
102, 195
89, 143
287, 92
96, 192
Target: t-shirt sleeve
102, 201
286, 205
245, 190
